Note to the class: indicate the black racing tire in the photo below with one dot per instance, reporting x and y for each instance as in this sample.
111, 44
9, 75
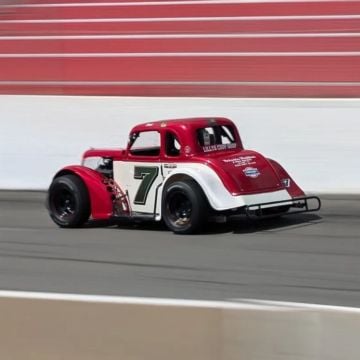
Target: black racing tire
68, 201
184, 207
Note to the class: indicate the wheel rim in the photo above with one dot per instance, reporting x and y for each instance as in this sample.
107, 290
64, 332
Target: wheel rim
179, 209
64, 204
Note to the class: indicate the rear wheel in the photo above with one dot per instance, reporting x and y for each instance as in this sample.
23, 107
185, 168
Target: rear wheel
184, 208
68, 201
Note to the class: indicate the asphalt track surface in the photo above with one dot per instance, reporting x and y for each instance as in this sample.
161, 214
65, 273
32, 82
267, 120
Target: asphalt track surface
313, 258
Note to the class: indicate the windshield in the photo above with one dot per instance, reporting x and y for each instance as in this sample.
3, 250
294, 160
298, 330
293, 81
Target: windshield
216, 138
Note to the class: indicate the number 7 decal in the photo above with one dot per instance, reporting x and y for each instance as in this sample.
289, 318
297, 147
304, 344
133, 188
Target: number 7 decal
147, 174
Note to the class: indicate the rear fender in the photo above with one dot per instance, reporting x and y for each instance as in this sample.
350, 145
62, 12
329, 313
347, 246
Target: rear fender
100, 197
293, 189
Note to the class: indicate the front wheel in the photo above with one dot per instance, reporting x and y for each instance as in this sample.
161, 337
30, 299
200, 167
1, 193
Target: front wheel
184, 207
68, 201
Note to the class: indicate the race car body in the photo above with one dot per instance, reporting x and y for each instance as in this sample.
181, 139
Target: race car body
184, 171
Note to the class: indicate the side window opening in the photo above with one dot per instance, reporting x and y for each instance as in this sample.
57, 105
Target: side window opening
172, 145
145, 143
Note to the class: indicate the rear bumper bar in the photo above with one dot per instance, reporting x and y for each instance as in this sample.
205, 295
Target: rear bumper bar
299, 205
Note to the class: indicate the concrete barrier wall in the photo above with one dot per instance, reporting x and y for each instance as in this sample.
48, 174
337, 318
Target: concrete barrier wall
316, 140
48, 326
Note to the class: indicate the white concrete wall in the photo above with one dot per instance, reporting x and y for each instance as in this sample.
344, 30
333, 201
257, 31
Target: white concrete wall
317, 141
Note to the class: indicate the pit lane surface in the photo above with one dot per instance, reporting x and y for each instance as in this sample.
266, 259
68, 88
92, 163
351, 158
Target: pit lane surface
306, 258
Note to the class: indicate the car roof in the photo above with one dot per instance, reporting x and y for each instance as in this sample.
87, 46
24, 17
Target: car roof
186, 124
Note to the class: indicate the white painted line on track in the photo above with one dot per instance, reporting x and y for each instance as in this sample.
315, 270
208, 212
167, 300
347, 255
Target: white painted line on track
182, 19
122, 300
229, 304
181, 36
183, 54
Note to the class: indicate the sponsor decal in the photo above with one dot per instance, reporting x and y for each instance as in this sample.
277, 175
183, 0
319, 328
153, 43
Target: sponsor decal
251, 172
170, 166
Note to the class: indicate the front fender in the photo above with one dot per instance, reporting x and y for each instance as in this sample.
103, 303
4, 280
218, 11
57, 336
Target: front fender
100, 198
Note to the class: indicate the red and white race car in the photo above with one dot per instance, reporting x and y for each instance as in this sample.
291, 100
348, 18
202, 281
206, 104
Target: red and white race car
184, 172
